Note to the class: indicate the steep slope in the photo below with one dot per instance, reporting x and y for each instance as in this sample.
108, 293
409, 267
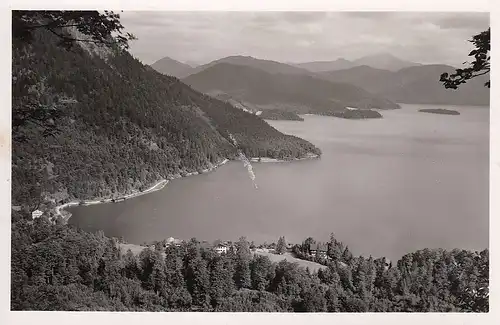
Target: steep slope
320, 66
124, 126
296, 93
246, 107
267, 114
172, 67
248, 61
413, 85
384, 61
278, 114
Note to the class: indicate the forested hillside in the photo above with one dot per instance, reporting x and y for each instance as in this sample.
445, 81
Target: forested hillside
120, 125
56, 267
292, 92
277, 114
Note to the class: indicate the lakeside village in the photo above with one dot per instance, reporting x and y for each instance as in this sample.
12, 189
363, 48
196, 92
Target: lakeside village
309, 254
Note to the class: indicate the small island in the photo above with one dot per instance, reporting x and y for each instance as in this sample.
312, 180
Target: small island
356, 114
439, 111
277, 114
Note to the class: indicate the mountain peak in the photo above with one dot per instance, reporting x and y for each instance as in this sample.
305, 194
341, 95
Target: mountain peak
171, 67
249, 61
239, 56
386, 61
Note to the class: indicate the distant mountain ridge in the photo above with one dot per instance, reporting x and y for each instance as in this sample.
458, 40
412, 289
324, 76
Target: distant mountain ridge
192, 64
297, 93
384, 61
383, 75
377, 61
172, 67
265, 65
320, 66
413, 85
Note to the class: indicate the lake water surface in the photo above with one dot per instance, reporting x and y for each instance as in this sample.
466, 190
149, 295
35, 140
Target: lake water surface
385, 187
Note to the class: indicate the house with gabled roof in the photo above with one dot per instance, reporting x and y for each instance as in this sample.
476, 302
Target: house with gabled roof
318, 249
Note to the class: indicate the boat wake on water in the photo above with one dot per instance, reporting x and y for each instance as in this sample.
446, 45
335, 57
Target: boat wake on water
249, 168
246, 162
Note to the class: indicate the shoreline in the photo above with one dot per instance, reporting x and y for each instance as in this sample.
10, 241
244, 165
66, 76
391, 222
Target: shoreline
60, 211
274, 160
66, 215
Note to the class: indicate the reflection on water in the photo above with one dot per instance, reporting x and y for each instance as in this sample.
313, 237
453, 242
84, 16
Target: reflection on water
385, 187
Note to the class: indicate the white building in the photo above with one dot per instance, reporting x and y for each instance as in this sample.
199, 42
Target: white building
36, 214
221, 249
171, 241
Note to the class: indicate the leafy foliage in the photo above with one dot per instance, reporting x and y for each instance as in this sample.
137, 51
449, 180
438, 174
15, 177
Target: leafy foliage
104, 28
480, 66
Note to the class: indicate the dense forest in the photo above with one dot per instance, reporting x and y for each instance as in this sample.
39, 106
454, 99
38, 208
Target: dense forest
119, 125
357, 114
57, 267
439, 111
277, 114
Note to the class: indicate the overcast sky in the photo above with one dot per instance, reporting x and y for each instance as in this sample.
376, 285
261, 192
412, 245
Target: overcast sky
302, 36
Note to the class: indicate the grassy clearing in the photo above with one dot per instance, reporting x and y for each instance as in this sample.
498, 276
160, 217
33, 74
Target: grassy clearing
314, 267
136, 249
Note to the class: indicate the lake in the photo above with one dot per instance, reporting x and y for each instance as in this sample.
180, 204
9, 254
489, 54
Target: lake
385, 187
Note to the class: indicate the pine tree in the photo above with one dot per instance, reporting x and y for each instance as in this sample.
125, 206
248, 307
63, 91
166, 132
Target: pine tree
242, 270
262, 272
313, 300
347, 255
178, 297
332, 300
198, 281
281, 246
221, 280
